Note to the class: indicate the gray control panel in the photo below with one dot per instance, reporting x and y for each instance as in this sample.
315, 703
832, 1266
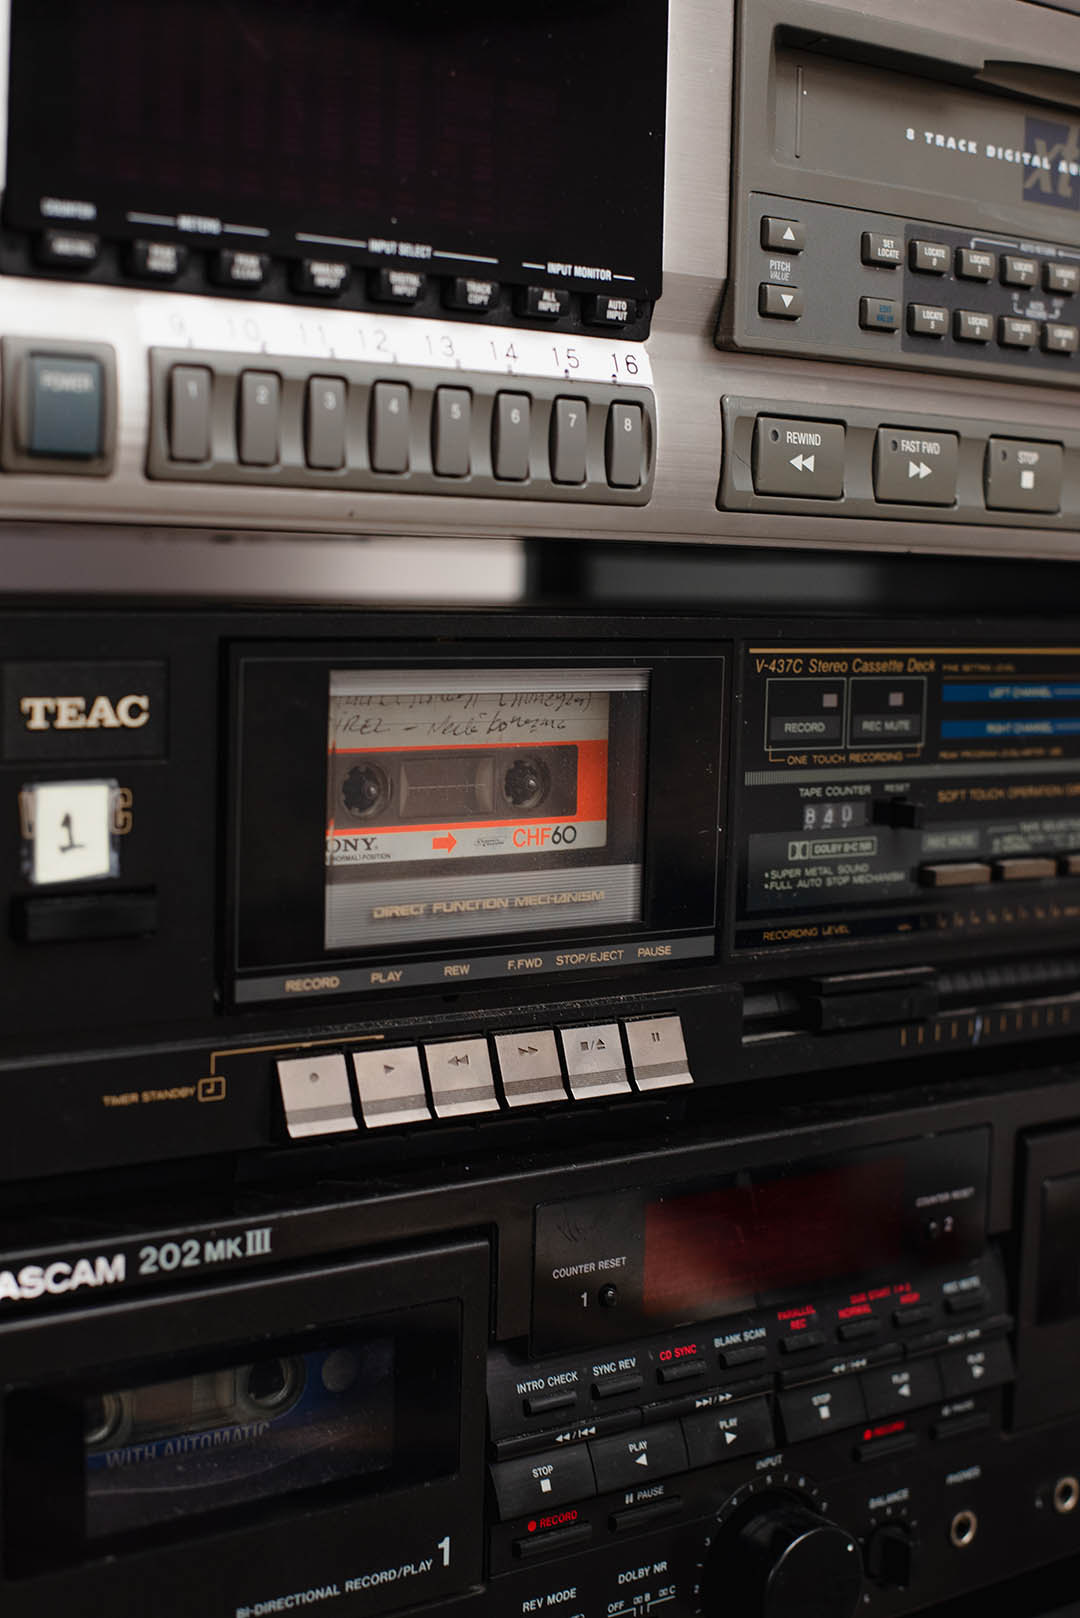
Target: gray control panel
276, 420
841, 283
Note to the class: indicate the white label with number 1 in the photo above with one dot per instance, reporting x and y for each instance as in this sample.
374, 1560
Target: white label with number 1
72, 836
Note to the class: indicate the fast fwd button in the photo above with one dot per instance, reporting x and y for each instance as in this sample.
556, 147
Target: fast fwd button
800, 458
727, 1432
914, 468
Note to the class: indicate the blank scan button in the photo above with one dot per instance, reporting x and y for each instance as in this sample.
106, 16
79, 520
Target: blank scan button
315, 1094
72, 830
391, 1086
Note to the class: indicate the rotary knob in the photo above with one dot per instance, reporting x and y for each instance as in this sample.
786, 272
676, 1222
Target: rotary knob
776, 1557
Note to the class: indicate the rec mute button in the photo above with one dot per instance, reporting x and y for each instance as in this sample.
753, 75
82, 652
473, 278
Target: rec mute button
800, 458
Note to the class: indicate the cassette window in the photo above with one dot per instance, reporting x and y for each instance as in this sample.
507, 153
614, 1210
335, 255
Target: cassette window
473, 802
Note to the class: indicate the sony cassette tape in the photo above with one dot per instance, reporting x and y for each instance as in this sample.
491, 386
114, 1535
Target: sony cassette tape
478, 801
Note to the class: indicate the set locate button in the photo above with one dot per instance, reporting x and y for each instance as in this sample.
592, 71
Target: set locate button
801, 458
914, 468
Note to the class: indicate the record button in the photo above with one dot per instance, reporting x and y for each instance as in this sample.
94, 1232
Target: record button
461, 1078
391, 1086
634, 1458
724, 1434
315, 1094
594, 1061
529, 1068
657, 1052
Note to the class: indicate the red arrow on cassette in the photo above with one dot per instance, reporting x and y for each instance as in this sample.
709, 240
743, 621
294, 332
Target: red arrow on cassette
448, 842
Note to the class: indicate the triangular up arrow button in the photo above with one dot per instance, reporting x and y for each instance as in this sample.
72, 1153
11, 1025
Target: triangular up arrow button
789, 235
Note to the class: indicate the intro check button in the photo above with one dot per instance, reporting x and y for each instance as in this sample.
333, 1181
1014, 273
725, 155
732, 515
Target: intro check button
799, 458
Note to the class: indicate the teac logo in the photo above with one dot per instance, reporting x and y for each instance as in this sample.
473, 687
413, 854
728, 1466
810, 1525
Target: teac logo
72, 713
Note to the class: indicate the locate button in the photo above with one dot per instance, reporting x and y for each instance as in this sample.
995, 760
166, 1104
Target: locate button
630, 1459
569, 440
1061, 277
189, 413
389, 427
809, 1412
529, 1067
315, 1093
1015, 331
779, 302
510, 436
461, 1080
879, 314
971, 326
1022, 868
325, 444
1023, 476
930, 258
1060, 339
782, 235
799, 458
451, 429
391, 1086
973, 264
1019, 272
916, 468
624, 446
66, 412
260, 410
732, 1430
887, 251
927, 320
657, 1053
955, 874
594, 1061
536, 1482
